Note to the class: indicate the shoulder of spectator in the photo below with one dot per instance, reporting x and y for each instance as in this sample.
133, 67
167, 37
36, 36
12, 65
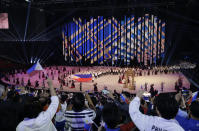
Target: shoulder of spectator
89, 109
182, 113
134, 105
50, 112
136, 99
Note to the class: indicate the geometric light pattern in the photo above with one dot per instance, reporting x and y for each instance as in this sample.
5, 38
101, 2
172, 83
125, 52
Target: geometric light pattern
109, 39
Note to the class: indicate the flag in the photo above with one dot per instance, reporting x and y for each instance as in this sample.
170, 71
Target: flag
82, 77
88, 120
124, 99
194, 96
88, 123
34, 69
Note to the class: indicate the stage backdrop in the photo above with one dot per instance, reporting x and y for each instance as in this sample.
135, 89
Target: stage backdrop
100, 40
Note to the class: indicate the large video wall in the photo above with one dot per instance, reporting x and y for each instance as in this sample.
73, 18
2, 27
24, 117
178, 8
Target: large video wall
100, 39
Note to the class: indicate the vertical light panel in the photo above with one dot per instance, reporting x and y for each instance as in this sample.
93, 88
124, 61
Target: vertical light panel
155, 40
159, 38
151, 39
92, 39
114, 39
135, 39
139, 39
132, 37
122, 39
142, 40
128, 34
163, 38
146, 45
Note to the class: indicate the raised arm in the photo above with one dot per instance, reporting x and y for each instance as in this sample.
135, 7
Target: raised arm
181, 113
139, 119
50, 112
89, 101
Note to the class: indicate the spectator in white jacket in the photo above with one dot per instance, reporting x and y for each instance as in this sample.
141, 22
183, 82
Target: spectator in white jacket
166, 108
36, 119
60, 119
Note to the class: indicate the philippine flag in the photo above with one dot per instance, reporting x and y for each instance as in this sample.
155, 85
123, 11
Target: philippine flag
194, 96
34, 69
124, 99
82, 77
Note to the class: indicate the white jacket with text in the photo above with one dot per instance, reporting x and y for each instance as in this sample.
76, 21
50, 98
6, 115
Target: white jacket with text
151, 123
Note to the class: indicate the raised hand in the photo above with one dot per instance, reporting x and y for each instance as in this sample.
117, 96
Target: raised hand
140, 93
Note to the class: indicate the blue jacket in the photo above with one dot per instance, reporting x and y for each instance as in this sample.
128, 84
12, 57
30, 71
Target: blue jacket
187, 123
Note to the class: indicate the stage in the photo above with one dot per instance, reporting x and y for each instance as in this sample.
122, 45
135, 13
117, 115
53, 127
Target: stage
111, 82
167, 81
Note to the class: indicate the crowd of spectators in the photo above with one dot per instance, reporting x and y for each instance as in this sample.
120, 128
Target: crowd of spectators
50, 110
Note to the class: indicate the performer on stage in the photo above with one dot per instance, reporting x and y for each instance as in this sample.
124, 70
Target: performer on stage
73, 84
63, 82
17, 81
95, 88
51, 73
148, 72
43, 83
145, 87
120, 80
53, 77
43, 76
29, 83
80, 86
152, 91
61, 86
36, 83
180, 82
162, 86
22, 82
67, 82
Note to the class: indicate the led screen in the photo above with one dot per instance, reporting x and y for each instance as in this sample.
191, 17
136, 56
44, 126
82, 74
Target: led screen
4, 21
102, 39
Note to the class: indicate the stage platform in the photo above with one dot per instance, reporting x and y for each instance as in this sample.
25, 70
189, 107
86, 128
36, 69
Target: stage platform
111, 82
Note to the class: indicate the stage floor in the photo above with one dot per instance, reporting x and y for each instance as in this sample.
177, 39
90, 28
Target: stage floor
111, 82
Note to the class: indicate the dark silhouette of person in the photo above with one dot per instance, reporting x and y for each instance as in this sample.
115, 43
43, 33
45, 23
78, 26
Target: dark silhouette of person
95, 88
152, 91
80, 86
29, 83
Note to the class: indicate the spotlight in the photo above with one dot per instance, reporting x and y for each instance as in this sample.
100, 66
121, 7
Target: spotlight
28, 0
